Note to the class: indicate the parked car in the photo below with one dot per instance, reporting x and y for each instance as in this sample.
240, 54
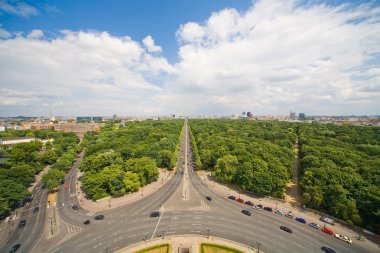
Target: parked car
36, 209
248, 203
99, 217
155, 214
327, 231
208, 198
86, 222
314, 225
269, 209
75, 207
343, 238
246, 212
22, 224
15, 248
279, 212
289, 215
327, 249
327, 220
257, 207
302, 220
232, 197
260, 205
289, 230
240, 201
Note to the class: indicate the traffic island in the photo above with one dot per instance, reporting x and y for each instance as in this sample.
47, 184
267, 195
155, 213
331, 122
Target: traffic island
215, 248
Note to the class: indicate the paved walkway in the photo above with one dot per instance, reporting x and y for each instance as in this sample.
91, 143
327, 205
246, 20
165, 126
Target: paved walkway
109, 202
190, 243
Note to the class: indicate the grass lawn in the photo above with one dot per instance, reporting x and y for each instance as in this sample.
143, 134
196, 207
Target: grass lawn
213, 248
162, 248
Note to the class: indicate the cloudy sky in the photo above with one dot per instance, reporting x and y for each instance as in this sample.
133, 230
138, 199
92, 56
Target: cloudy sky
189, 57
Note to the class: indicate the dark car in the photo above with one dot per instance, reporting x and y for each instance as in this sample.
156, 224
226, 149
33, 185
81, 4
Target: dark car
302, 220
15, 248
208, 198
286, 229
155, 214
232, 197
87, 222
269, 209
99, 217
246, 212
75, 207
259, 205
240, 201
36, 209
22, 224
327, 249
248, 203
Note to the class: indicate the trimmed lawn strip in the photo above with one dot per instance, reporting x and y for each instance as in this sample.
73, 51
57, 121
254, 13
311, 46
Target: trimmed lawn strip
214, 248
162, 248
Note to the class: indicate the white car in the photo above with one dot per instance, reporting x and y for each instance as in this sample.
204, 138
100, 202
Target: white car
279, 212
314, 225
343, 238
256, 208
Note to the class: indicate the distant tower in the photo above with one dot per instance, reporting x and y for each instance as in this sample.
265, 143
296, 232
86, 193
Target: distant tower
243, 114
249, 114
301, 115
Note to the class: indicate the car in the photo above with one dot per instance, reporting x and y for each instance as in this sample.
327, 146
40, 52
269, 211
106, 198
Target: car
36, 209
86, 222
343, 238
15, 248
302, 220
289, 215
246, 212
240, 200
327, 220
248, 203
314, 225
279, 212
257, 207
269, 209
208, 198
155, 214
22, 224
75, 207
286, 229
327, 231
99, 217
327, 249
232, 197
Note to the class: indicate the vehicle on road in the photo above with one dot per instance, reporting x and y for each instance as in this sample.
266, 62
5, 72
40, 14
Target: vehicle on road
327, 231
259, 205
75, 207
155, 214
279, 212
86, 222
15, 248
286, 229
246, 212
99, 217
269, 209
256, 207
302, 220
22, 224
343, 238
36, 209
249, 203
327, 220
327, 249
240, 201
208, 198
232, 197
289, 215
314, 225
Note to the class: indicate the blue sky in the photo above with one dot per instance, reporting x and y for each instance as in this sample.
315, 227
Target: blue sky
189, 57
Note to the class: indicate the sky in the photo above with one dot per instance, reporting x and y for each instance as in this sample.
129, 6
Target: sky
199, 57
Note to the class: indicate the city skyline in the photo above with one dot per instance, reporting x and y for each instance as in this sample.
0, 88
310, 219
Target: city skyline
268, 57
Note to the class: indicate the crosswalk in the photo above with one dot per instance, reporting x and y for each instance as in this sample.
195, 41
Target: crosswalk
202, 207
72, 231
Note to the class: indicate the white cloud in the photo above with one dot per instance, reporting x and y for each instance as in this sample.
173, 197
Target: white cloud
35, 34
18, 8
4, 34
149, 43
190, 32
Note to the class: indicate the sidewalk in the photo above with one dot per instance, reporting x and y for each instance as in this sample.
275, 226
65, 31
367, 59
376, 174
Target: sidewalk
109, 202
190, 243
275, 204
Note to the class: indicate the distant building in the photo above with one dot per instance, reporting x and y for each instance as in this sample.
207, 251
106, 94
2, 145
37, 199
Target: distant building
243, 114
42, 126
12, 141
249, 114
114, 116
301, 115
2, 128
292, 115
84, 119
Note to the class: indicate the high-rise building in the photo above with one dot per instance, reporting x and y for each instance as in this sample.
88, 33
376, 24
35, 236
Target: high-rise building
243, 114
301, 115
249, 114
292, 115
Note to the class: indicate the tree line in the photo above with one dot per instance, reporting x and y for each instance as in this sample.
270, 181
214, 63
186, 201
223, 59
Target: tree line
122, 159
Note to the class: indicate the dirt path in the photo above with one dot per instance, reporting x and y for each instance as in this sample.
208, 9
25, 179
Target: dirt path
293, 191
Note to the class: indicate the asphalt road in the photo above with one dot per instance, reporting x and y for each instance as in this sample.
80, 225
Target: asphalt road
129, 224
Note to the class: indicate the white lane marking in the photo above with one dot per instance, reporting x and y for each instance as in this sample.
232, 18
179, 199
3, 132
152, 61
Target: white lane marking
170, 232
196, 224
157, 224
131, 235
195, 231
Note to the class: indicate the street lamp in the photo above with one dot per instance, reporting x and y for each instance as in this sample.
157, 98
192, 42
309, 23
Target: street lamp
258, 247
109, 203
208, 233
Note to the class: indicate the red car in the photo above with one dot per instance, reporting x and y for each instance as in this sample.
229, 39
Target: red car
240, 201
327, 231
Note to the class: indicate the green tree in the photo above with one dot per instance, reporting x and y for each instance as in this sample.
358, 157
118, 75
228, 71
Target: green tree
226, 168
131, 181
53, 178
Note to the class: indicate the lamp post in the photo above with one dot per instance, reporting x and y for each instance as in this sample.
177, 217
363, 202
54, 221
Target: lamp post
258, 247
109, 203
208, 233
